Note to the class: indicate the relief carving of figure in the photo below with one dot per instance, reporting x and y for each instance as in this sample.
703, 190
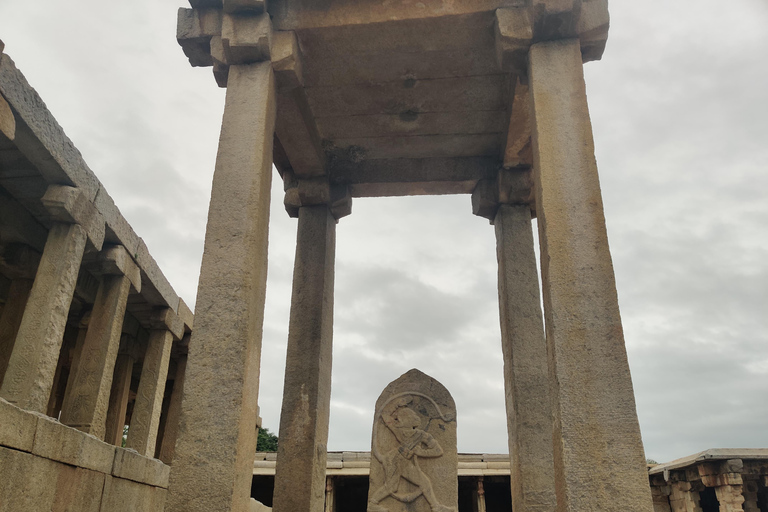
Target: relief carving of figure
402, 462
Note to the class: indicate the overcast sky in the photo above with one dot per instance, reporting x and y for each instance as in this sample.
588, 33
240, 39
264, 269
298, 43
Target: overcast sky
680, 113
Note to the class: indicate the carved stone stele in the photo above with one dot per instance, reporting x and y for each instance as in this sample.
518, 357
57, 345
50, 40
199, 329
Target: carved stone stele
413, 448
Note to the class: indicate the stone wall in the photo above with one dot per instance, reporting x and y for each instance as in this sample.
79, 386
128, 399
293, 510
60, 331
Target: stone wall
45, 465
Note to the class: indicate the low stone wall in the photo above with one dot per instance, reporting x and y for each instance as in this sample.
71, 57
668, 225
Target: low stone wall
45, 465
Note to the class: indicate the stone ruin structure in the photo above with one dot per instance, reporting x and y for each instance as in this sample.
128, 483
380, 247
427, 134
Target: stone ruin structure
347, 99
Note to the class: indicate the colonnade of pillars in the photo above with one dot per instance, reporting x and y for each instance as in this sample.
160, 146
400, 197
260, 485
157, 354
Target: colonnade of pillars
80, 370
573, 433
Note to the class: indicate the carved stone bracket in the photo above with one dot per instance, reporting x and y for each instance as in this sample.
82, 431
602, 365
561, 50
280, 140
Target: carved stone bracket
315, 191
511, 186
517, 28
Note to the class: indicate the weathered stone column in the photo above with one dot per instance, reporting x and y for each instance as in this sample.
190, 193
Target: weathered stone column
526, 377
330, 493
213, 460
598, 451
683, 498
301, 453
726, 478
32, 366
481, 495
142, 434
85, 405
10, 319
118, 399
171, 432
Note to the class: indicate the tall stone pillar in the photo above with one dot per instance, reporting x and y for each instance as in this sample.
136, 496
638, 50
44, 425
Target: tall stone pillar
526, 377
683, 497
85, 405
213, 460
481, 495
32, 365
118, 398
330, 494
10, 319
726, 478
171, 432
142, 434
301, 453
598, 451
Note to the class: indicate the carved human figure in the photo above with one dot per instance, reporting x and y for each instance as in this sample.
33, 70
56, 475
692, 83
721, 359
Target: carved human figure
401, 463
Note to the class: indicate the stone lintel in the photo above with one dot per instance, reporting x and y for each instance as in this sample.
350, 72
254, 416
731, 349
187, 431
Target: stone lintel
7, 120
593, 29
244, 6
186, 315
514, 34
194, 30
518, 151
70, 205
115, 260
19, 261
167, 319
246, 39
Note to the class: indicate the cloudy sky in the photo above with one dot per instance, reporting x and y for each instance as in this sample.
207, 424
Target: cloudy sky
680, 112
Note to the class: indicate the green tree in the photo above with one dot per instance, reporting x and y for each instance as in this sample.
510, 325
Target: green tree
267, 441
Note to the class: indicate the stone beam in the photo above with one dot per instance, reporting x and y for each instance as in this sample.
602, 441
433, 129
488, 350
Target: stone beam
69, 205
517, 151
414, 176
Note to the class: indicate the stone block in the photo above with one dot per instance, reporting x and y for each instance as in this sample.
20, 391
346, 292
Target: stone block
334, 464
244, 6
186, 315
555, 19
166, 318
7, 120
68, 445
70, 205
17, 427
514, 34
118, 230
78, 490
341, 201
132, 466
485, 199
246, 39
515, 186
593, 29
122, 495
27, 481
314, 191
286, 60
115, 261
155, 286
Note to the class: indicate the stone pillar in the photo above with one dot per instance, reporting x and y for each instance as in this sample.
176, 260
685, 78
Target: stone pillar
726, 478
118, 397
171, 431
683, 498
526, 378
213, 459
85, 405
330, 494
10, 319
598, 451
750, 493
32, 366
301, 453
142, 434
481, 496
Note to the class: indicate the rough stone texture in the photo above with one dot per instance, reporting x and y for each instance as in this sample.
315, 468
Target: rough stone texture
65, 444
32, 366
133, 466
171, 431
300, 471
17, 427
10, 319
118, 399
599, 459
126, 496
414, 464
217, 433
70, 205
142, 434
85, 407
526, 375
7, 121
